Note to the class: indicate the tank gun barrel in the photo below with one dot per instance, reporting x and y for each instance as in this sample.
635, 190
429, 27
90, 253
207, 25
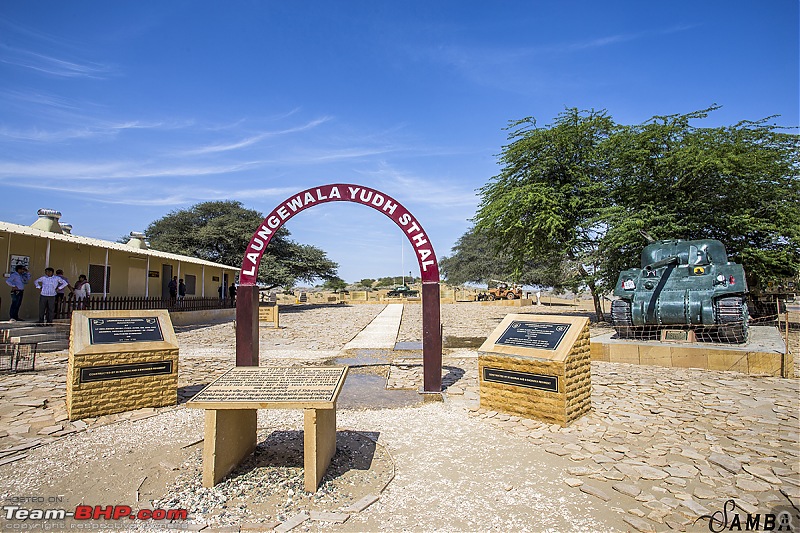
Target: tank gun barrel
671, 260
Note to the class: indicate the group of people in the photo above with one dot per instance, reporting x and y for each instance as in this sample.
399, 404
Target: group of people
52, 287
177, 288
231, 292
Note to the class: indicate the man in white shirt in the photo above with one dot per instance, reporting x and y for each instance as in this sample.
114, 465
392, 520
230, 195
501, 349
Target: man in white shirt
49, 285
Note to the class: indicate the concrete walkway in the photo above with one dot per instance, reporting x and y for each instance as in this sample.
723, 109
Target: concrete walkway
381, 332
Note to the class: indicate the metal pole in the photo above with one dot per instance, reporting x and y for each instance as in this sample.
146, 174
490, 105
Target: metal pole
402, 261
8, 254
147, 279
47, 255
786, 357
105, 275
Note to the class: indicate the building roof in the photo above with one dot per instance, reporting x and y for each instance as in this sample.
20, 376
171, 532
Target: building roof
18, 229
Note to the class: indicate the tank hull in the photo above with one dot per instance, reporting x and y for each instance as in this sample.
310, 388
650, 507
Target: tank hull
681, 285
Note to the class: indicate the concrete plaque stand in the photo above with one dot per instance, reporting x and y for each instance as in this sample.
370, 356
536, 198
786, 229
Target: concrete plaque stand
268, 312
231, 403
537, 366
121, 361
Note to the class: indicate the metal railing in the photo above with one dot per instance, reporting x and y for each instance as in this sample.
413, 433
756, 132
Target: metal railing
66, 306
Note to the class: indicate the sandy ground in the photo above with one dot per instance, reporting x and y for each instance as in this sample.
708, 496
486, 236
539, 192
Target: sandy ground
439, 466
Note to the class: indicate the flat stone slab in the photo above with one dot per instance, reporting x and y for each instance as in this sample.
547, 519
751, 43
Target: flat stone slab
648, 472
381, 332
728, 463
627, 489
322, 516
639, 524
360, 505
594, 491
293, 522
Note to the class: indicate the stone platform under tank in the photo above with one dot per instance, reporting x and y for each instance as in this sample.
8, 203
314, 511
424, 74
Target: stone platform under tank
763, 354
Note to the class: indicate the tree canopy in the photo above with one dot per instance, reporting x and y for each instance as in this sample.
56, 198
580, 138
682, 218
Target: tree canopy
475, 260
577, 192
219, 231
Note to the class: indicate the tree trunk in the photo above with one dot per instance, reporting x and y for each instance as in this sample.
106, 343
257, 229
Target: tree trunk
598, 304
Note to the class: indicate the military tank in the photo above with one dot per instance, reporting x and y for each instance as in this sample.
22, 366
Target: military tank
681, 284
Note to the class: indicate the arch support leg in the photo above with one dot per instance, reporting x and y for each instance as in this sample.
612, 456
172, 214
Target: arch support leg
431, 338
247, 325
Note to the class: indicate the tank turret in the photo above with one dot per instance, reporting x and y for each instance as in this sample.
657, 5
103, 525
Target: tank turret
683, 285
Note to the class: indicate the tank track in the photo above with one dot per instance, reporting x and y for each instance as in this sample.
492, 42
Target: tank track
731, 313
622, 318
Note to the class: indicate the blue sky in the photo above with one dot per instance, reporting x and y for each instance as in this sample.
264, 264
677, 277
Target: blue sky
116, 113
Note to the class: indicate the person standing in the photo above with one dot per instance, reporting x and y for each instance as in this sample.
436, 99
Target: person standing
181, 289
17, 281
49, 285
60, 293
232, 293
82, 291
173, 287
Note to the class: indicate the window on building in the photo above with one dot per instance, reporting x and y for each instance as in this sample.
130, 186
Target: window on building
96, 278
191, 284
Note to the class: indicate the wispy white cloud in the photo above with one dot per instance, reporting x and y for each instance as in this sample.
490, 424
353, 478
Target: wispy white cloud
425, 191
51, 65
112, 170
517, 68
249, 141
91, 129
153, 194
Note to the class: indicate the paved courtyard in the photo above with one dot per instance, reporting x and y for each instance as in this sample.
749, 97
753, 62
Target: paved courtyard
661, 448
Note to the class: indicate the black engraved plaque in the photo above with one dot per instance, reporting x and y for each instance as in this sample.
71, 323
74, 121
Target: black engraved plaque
521, 379
114, 330
132, 370
540, 335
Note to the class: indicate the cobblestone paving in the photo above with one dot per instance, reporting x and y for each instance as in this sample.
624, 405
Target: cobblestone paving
663, 445
32, 404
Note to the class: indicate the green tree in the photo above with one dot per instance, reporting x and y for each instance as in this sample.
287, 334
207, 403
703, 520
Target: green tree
576, 194
545, 204
219, 231
366, 283
335, 284
738, 184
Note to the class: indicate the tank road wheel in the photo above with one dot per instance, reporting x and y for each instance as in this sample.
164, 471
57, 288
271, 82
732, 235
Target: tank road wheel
621, 318
732, 319
510, 295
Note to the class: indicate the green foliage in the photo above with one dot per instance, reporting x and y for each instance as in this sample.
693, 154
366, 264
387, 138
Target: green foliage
219, 231
366, 283
475, 260
574, 196
738, 184
335, 284
389, 281
545, 204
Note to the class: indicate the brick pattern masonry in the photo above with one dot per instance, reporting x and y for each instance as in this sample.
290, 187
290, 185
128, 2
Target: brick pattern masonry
572, 400
118, 395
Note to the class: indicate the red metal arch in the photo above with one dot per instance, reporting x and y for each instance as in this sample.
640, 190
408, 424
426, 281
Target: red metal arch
247, 294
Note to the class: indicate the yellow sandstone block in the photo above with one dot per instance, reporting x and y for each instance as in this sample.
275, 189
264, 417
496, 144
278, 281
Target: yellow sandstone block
689, 358
762, 363
655, 355
727, 360
624, 353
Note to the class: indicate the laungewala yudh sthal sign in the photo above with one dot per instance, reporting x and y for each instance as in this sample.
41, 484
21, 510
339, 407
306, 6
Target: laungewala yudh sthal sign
247, 294
387, 205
